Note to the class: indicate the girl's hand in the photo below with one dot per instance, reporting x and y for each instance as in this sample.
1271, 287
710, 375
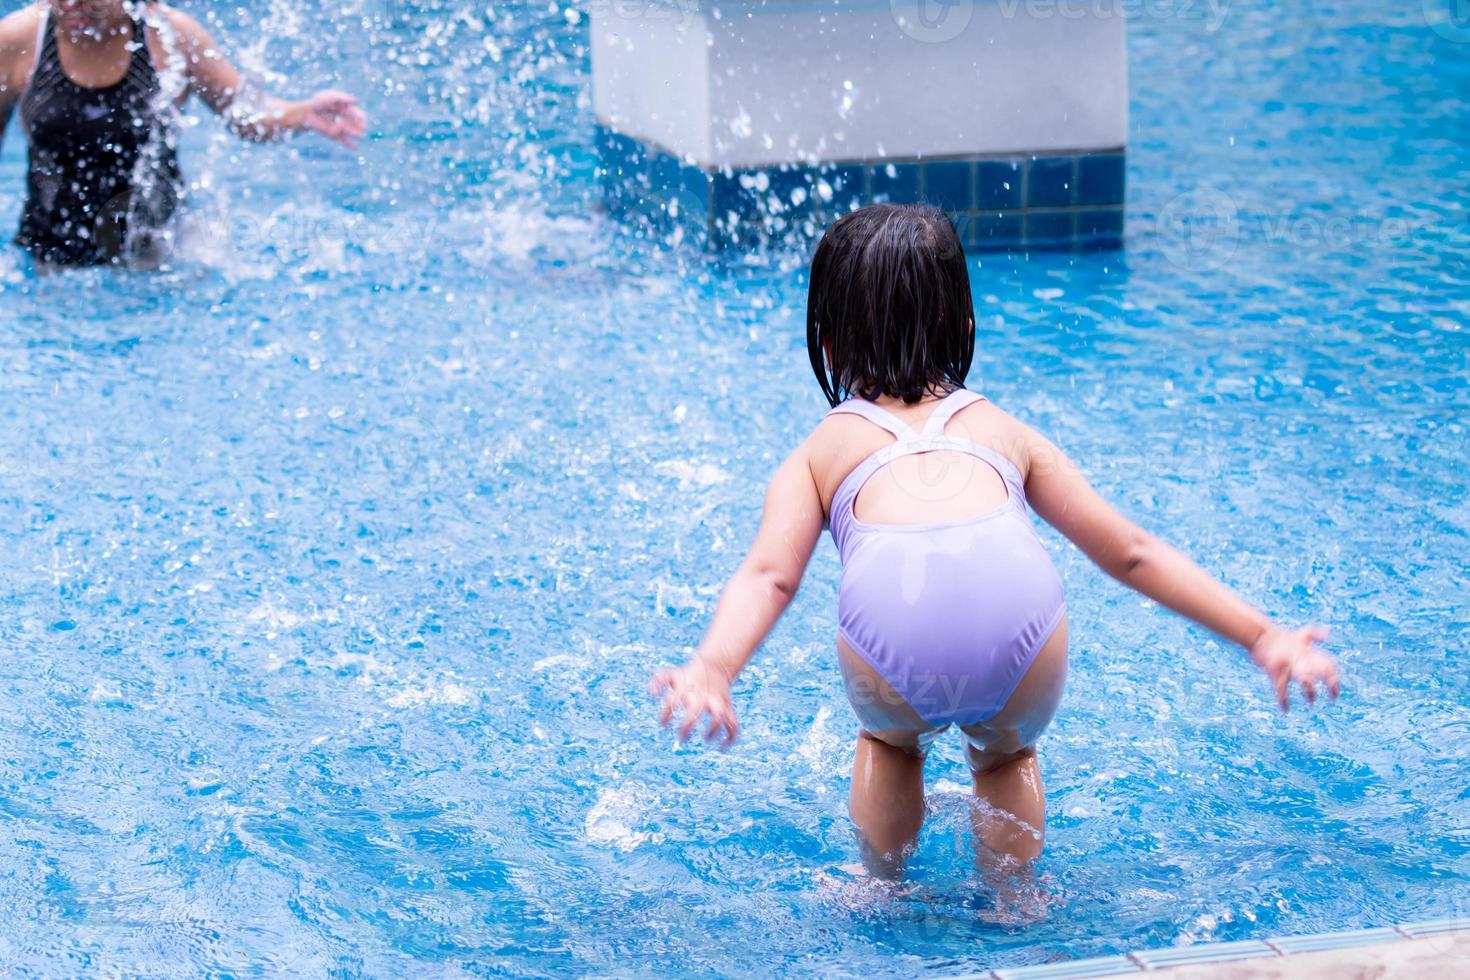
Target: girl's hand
696, 689
1291, 655
336, 115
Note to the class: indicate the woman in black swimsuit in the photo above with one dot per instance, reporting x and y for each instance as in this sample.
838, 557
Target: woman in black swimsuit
98, 83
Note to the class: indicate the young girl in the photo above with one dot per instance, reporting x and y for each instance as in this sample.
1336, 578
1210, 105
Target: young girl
949, 611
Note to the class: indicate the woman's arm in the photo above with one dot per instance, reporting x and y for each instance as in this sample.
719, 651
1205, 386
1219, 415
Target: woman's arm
214, 79
752, 601
1061, 494
7, 106
16, 32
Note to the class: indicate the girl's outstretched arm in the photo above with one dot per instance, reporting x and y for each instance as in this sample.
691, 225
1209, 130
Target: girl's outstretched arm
1061, 494
752, 601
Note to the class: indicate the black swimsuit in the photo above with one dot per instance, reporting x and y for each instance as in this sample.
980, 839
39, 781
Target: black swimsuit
103, 171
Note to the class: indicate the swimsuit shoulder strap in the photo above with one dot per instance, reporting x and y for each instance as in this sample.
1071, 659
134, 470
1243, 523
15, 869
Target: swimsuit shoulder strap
140, 39
878, 416
44, 43
952, 405
141, 70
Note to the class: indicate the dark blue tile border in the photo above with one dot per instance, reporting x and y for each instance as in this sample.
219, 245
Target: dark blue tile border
950, 184
895, 182
1032, 202
847, 184
1100, 178
1051, 229
991, 231
1100, 228
998, 185
1051, 182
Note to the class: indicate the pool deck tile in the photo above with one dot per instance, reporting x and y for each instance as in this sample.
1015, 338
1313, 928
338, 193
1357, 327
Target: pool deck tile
1334, 940
1441, 957
1101, 966
1158, 959
1437, 948
1434, 928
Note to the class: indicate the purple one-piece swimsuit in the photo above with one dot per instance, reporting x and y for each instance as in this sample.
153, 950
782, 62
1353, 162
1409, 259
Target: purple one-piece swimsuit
951, 615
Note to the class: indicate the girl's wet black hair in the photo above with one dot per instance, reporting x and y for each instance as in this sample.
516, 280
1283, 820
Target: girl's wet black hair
888, 308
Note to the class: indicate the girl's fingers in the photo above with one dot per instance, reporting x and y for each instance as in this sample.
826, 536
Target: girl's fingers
728, 722
1283, 695
1309, 690
1317, 632
1333, 684
690, 722
692, 703
693, 707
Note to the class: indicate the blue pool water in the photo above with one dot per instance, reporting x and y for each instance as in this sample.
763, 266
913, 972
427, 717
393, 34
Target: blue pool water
336, 559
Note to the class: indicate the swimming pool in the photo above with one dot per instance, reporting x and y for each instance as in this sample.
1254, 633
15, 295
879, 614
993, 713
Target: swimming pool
337, 558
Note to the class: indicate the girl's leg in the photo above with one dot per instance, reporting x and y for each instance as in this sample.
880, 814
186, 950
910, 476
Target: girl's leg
1011, 819
887, 803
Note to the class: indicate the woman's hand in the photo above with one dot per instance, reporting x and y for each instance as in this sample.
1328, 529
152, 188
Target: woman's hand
694, 690
336, 115
1292, 655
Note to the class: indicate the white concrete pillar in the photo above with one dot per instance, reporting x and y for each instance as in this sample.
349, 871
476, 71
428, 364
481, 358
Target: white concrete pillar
751, 116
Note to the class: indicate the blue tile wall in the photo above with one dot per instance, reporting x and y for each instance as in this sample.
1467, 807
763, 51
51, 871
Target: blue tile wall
1051, 182
848, 185
998, 185
1054, 229
894, 182
990, 231
1100, 228
1031, 202
1100, 178
950, 184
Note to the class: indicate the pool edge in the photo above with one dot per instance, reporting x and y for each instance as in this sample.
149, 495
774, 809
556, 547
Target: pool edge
1274, 948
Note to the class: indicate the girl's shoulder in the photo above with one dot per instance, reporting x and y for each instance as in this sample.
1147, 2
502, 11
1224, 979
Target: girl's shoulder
837, 446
